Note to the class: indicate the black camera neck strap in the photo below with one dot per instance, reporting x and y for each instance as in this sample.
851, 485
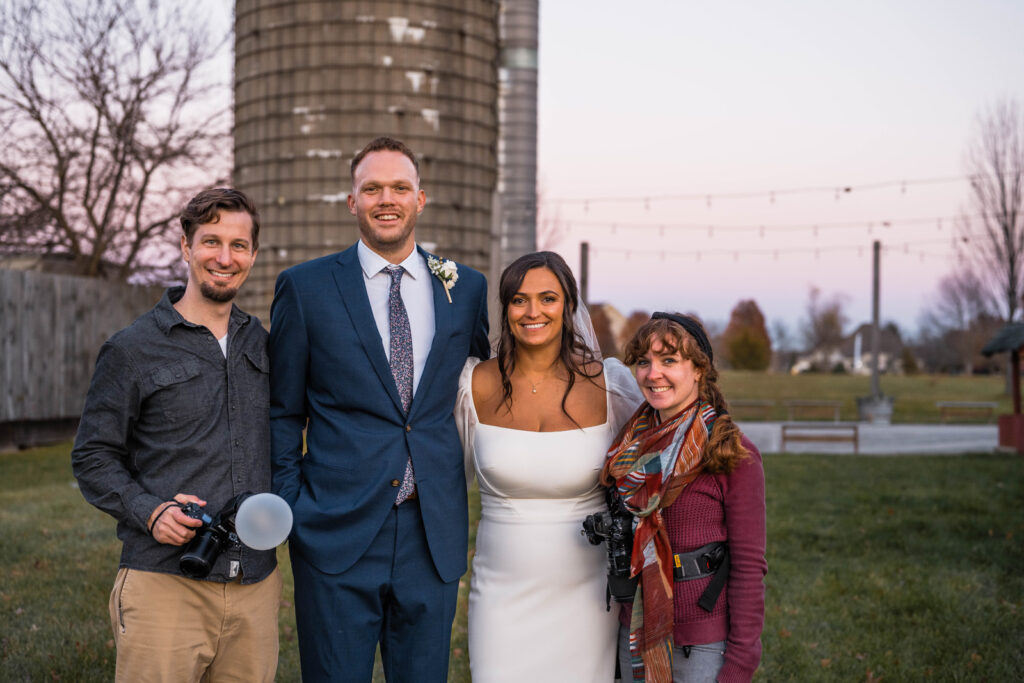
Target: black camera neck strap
710, 560
161, 514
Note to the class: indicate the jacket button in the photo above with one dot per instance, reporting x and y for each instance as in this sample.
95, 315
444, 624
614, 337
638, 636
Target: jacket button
395, 482
408, 428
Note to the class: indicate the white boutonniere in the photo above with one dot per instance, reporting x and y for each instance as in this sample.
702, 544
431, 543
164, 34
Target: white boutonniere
446, 271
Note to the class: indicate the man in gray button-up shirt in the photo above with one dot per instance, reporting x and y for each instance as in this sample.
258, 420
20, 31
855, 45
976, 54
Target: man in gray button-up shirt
177, 412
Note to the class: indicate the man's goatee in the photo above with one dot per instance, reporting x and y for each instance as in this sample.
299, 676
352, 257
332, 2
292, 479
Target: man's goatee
217, 294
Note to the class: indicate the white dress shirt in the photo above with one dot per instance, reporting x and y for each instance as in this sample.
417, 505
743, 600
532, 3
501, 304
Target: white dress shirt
417, 295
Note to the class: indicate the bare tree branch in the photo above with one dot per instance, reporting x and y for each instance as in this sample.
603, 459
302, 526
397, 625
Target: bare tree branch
995, 241
551, 229
113, 114
959, 319
822, 329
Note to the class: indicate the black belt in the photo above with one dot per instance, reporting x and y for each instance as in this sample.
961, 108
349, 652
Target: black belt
709, 560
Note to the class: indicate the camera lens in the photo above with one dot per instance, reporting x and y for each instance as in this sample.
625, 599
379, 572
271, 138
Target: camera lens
198, 560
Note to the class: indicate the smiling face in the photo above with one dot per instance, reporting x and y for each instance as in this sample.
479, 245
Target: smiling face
386, 199
668, 381
535, 310
220, 256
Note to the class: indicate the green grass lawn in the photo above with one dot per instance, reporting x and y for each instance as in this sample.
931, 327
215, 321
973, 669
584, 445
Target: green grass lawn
894, 569
914, 395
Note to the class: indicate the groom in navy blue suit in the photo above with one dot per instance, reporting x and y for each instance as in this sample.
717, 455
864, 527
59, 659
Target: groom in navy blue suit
366, 347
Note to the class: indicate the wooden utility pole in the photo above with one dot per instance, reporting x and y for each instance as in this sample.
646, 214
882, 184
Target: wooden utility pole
876, 333
584, 271
1015, 379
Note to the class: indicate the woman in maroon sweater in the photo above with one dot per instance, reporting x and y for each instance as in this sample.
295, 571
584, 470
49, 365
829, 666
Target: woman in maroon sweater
696, 487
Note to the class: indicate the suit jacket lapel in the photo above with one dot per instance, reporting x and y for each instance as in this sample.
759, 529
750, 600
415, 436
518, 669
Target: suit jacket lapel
442, 331
348, 276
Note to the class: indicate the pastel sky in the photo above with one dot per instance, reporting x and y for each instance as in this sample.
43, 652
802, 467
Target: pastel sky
663, 98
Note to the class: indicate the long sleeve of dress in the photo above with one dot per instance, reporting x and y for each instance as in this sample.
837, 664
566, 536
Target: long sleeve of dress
465, 415
624, 395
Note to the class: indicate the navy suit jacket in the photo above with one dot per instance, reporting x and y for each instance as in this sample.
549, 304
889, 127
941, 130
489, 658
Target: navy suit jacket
328, 366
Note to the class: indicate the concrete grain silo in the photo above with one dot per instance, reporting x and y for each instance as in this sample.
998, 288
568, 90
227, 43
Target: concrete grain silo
316, 81
516, 207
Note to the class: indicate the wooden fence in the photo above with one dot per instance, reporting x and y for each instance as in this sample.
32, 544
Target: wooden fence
51, 328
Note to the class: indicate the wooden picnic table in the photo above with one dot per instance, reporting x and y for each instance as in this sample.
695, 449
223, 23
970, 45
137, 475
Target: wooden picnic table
822, 432
758, 408
975, 409
808, 407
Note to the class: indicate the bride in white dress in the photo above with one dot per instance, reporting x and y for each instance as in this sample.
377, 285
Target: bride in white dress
536, 423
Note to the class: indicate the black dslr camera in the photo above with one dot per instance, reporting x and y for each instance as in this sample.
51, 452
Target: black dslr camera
215, 536
615, 528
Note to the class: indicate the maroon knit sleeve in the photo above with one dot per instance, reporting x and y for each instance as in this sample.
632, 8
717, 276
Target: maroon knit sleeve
745, 522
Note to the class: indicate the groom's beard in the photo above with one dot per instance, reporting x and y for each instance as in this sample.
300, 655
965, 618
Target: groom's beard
385, 241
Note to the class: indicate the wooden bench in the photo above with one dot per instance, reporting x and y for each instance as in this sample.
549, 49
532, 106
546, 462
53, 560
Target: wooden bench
966, 409
806, 409
754, 408
845, 432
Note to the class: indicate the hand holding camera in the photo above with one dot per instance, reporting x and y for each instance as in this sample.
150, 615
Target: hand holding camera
259, 521
169, 524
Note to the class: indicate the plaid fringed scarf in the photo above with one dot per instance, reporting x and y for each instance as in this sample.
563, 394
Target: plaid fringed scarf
650, 464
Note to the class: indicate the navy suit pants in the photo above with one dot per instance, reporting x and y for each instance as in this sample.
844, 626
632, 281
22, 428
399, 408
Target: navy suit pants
392, 595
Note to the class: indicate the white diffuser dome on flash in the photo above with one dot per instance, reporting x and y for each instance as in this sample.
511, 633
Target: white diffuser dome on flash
263, 521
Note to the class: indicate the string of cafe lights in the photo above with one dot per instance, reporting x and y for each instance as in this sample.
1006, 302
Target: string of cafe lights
916, 248
771, 195
663, 228
959, 227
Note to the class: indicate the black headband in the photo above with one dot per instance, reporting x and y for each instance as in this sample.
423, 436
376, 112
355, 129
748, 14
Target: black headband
692, 327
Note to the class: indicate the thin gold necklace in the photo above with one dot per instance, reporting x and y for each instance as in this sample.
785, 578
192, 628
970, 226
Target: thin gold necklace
534, 385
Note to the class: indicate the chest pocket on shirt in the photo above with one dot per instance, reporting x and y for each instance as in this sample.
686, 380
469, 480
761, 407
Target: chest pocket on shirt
178, 391
257, 378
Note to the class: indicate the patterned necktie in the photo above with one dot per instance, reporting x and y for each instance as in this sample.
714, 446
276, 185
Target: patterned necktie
401, 360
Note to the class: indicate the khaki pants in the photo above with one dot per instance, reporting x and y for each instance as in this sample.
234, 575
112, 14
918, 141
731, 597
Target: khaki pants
171, 629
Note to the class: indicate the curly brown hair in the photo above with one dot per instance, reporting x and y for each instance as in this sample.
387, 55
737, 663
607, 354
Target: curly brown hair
724, 450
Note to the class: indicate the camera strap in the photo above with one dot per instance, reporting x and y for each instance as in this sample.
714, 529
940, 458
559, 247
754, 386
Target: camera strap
709, 560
